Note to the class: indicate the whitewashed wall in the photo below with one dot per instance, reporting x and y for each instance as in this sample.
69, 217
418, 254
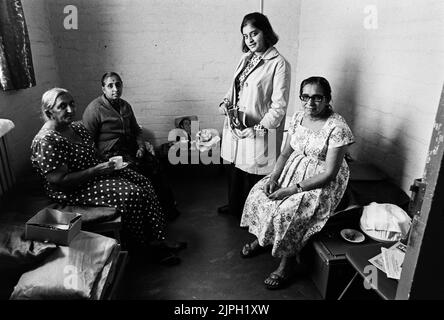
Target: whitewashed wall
386, 81
178, 57
175, 57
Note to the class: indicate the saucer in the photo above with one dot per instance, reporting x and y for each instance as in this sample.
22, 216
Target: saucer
352, 235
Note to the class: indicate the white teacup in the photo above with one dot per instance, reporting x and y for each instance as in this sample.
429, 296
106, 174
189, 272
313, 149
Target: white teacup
118, 160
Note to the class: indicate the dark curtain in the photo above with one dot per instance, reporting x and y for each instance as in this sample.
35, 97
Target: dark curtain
16, 69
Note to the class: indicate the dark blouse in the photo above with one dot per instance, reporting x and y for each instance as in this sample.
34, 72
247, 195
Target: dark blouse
110, 128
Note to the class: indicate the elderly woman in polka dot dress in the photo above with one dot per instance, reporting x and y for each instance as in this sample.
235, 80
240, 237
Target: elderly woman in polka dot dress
63, 153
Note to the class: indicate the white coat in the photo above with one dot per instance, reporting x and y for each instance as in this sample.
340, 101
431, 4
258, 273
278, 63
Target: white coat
264, 99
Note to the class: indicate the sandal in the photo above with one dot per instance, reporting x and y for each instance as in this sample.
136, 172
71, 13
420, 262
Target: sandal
276, 281
248, 251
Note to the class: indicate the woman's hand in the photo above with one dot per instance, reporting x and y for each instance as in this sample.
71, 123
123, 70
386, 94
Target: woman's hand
270, 187
247, 133
140, 153
104, 168
150, 148
281, 193
223, 108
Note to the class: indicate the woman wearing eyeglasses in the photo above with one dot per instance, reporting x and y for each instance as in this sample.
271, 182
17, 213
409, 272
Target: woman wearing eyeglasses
287, 207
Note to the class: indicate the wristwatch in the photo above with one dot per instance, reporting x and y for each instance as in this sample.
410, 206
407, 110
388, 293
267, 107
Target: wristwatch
299, 188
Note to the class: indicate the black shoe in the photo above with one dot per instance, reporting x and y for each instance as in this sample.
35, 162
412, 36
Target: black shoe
224, 209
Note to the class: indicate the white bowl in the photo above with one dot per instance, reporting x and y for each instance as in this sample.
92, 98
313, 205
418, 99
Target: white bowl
382, 236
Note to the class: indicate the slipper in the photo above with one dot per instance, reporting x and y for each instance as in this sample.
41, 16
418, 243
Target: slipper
278, 281
248, 251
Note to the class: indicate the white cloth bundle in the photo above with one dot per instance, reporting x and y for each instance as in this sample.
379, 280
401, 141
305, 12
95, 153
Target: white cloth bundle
385, 222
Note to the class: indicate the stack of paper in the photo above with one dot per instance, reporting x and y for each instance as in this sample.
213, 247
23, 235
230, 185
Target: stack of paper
390, 260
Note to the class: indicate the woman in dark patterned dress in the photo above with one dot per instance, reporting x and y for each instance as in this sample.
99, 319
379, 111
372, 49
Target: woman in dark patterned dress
63, 153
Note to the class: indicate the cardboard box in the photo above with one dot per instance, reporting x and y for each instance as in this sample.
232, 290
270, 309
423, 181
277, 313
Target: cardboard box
54, 226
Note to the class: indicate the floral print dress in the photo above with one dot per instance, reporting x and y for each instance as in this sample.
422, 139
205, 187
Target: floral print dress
127, 191
287, 224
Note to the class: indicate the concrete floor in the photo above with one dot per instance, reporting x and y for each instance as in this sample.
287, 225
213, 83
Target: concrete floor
211, 267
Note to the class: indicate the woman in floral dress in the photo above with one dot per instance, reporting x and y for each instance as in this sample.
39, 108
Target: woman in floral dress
287, 207
63, 153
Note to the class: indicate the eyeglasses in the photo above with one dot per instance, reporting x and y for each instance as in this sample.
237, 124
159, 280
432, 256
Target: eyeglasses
315, 97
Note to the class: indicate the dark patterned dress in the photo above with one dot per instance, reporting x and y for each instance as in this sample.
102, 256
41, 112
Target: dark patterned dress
287, 224
127, 191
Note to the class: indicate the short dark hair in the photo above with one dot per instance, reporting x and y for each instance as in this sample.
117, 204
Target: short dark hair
260, 21
320, 81
108, 75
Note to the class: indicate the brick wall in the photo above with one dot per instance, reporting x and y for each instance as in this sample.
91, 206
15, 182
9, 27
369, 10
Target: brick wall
175, 57
178, 57
23, 106
386, 81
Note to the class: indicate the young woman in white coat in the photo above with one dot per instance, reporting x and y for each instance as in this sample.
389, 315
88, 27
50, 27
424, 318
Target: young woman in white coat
255, 107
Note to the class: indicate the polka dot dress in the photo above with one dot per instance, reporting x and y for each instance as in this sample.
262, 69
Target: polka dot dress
128, 191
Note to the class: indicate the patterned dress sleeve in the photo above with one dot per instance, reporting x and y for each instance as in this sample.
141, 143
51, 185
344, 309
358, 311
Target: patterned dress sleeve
49, 153
341, 134
292, 125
